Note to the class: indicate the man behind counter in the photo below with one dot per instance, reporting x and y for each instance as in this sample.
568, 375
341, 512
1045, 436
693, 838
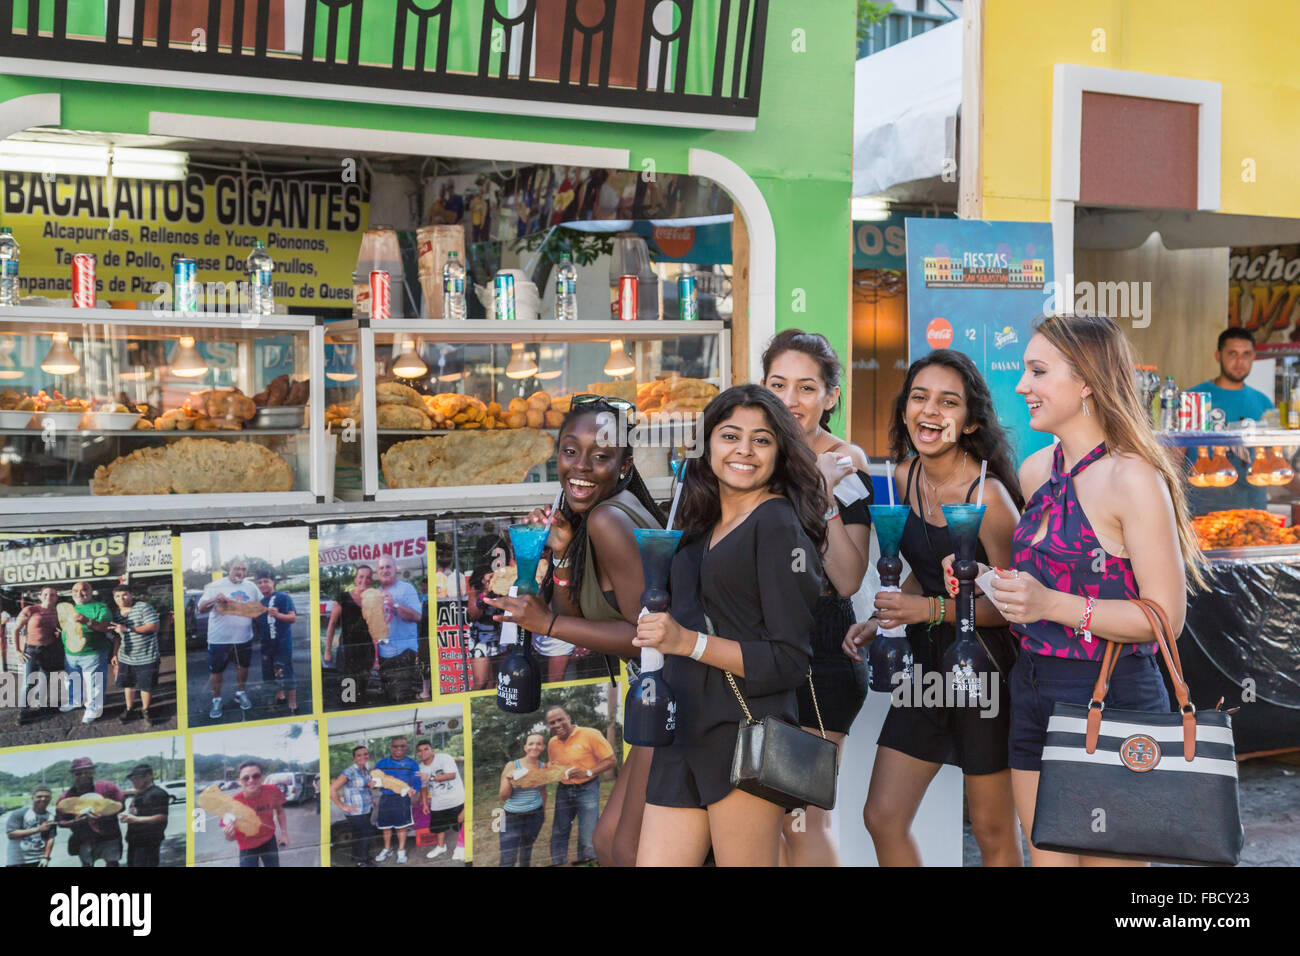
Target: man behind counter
1228, 390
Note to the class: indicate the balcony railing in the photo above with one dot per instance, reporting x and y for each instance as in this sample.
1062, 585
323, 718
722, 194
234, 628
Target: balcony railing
898, 26
668, 56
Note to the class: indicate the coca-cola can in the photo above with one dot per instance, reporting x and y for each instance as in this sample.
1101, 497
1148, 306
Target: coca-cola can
380, 295
1204, 422
1192, 412
83, 280
627, 304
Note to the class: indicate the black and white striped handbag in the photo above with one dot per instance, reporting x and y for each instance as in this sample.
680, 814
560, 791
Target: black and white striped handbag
1138, 785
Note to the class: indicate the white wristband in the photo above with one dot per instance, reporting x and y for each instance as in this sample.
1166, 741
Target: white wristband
701, 642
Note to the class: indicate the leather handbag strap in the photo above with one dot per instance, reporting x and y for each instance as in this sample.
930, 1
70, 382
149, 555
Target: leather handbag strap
1165, 640
749, 718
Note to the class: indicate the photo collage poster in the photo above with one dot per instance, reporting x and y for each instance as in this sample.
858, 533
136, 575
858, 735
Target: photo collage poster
288, 695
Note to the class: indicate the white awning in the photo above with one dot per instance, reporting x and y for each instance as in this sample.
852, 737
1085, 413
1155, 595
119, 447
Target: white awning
905, 103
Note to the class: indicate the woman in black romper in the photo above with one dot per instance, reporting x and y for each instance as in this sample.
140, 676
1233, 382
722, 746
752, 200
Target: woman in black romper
804, 372
943, 426
356, 650
745, 585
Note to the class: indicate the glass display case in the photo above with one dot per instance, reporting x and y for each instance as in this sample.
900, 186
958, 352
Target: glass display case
422, 410
1260, 456
124, 409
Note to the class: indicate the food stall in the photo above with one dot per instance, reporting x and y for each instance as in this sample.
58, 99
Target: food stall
302, 128
1175, 237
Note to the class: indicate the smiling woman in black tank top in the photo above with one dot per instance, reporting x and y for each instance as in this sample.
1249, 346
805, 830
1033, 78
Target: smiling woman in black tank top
595, 585
802, 370
943, 426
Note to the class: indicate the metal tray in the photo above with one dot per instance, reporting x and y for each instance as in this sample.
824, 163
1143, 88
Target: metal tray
279, 416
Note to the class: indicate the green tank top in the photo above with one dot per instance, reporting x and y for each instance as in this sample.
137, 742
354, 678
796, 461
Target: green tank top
591, 599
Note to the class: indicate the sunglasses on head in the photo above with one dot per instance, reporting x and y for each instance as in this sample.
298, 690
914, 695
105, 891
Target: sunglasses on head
587, 398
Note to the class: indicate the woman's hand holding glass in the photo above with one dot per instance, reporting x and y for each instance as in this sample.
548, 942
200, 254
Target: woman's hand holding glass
898, 609
528, 611
561, 531
662, 633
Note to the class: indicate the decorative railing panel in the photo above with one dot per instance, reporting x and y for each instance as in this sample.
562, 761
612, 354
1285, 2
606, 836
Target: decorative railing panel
693, 56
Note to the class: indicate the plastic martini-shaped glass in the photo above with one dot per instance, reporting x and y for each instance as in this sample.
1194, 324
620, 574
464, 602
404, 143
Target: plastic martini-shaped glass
889, 660
650, 711
965, 663
519, 685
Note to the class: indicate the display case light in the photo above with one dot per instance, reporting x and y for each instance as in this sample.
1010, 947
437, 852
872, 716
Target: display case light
60, 360
408, 363
187, 362
10, 374
521, 363
618, 363
341, 376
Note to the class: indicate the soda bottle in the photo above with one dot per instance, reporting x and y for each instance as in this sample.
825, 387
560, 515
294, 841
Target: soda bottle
261, 292
8, 267
1171, 400
566, 291
453, 288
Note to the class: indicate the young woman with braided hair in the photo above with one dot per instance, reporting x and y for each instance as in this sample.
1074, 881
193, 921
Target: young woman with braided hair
595, 583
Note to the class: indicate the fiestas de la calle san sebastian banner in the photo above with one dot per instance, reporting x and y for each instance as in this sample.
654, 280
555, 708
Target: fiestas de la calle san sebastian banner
312, 227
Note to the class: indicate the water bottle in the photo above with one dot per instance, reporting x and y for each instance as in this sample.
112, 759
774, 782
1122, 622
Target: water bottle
8, 267
261, 292
453, 288
1171, 401
566, 291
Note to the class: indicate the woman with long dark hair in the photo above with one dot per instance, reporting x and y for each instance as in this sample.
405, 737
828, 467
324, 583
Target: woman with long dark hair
595, 580
745, 584
1107, 523
804, 372
942, 426
356, 648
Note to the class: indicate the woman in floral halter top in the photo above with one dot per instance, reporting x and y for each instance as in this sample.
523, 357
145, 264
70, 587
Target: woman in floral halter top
1106, 522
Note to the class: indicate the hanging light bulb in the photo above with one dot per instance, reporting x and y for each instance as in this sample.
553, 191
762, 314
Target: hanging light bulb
187, 362
409, 364
550, 373
521, 364
618, 362
341, 376
9, 374
60, 360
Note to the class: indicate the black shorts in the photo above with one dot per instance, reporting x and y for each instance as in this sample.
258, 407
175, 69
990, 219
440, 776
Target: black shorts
972, 737
441, 820
1038, 682
840, 681
142, 677
220, 656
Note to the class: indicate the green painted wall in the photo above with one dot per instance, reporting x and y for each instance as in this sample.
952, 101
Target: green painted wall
799, 155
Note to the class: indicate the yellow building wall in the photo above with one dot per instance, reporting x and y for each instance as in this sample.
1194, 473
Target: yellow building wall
1251, 48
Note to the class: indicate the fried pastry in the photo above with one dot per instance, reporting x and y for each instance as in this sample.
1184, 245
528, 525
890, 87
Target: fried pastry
223, 806
401, 416
74, 632
499, 456
390, 783
298, 393
248, 609
89, 803
395, 393
195, 466
372, 610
